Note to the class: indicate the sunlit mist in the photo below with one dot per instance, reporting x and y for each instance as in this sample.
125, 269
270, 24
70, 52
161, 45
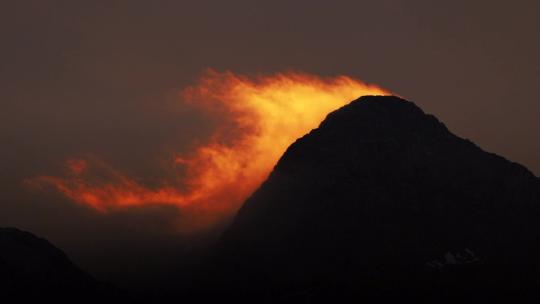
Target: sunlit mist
260, 117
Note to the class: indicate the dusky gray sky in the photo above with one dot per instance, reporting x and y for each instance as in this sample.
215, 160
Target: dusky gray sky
101, 78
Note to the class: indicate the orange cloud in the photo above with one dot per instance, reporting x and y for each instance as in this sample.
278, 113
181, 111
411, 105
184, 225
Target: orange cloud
259, 118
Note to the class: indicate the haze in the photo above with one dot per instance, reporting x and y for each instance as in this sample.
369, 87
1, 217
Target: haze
102, 78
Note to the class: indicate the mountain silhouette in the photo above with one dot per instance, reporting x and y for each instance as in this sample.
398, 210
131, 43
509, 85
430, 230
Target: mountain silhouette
380, 202
383, 201
31, 268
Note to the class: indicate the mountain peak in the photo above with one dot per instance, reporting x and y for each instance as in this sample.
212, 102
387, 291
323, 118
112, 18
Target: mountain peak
382, 117
388, 123
377, 192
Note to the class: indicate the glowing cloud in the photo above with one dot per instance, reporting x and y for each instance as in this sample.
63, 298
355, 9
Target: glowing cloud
259, 118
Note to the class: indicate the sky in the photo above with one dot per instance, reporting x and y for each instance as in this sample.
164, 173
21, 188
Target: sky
102, 78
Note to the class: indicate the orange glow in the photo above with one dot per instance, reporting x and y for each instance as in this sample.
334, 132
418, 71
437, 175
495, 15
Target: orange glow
77, 166
260, 117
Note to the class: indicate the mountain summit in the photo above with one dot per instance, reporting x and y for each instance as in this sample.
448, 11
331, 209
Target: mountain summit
381, 200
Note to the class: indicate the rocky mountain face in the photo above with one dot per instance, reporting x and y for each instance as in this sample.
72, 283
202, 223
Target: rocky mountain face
382, 201
33, 269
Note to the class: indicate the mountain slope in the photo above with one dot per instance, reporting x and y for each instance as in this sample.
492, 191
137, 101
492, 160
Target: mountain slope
382, 200
32, 268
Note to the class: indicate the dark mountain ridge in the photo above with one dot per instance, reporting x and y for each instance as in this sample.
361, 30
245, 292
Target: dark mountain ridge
383, 201
31, 268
